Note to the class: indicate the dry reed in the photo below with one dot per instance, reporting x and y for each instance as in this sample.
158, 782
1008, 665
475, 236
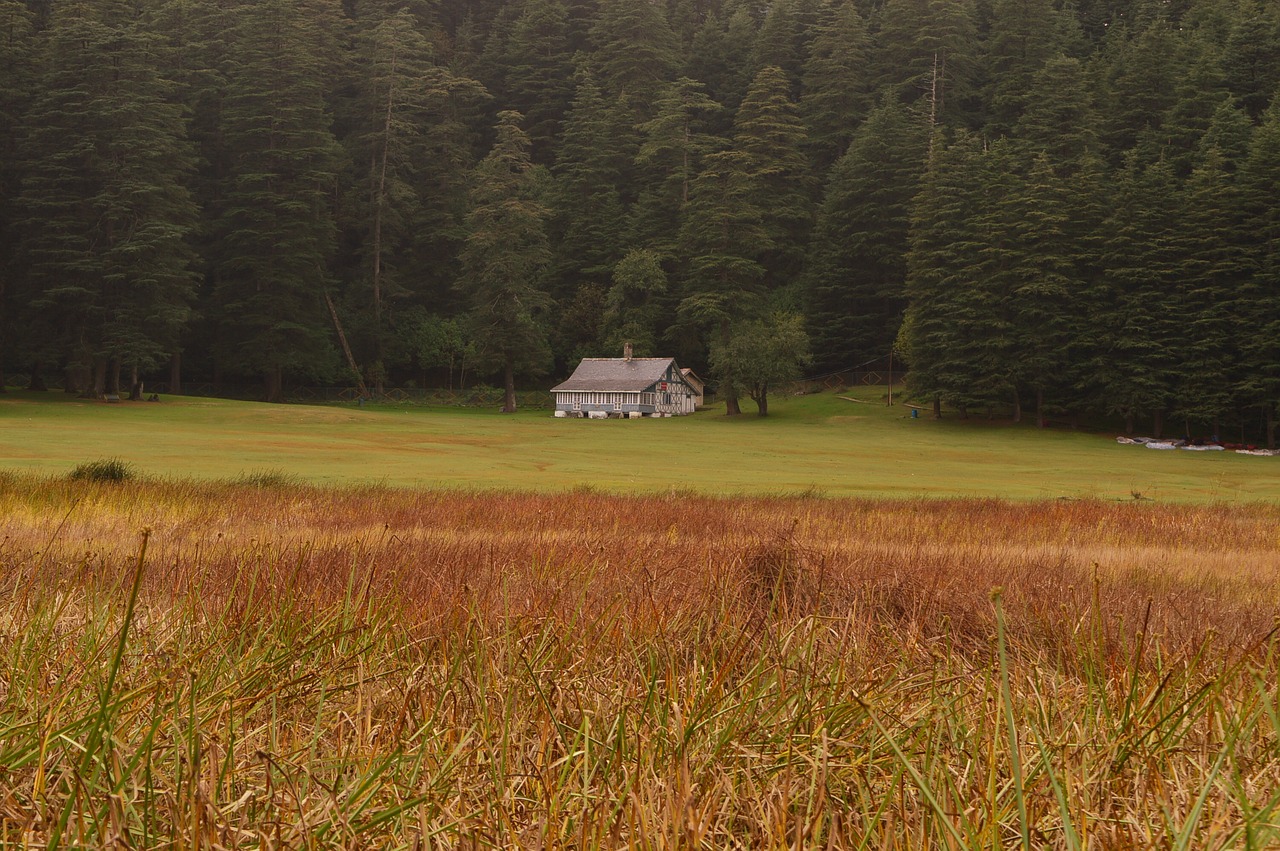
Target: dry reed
372, 667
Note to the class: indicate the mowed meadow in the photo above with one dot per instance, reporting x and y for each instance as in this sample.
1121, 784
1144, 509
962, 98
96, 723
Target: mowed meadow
266, 663
818, 443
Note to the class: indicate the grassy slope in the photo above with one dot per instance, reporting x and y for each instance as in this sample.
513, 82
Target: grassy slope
813, 443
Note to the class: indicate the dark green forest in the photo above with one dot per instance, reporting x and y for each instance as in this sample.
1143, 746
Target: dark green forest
1059, 208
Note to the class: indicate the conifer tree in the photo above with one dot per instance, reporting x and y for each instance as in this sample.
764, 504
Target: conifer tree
721, 240
836, 82
1214, 269
673, 145
1259, 313
768, 132
505, 256
538, 73
17, 82
404, 98
588, 220
950, 316
276, 222
856, 269
1136, 360
107, 215
1022, 38
635, 50
926, 50
722, 54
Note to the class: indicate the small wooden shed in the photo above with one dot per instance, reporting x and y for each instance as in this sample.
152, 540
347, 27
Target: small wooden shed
699, 386
625, 387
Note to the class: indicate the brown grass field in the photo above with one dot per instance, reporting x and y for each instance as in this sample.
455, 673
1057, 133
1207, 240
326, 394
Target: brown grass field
277, 665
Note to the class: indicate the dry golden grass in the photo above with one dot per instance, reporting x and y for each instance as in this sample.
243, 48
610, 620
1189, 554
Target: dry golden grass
376, 667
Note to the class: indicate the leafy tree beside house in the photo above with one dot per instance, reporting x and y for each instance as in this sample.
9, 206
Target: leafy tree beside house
760, 355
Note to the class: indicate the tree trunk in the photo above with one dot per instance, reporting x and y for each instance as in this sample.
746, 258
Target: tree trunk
113, 378
1017, 408
731, 406
1157, 424
937, 407
274, 379
1128, 423
75, 379
1040, 420
99, 388
37, 379
762, 401
175, 374
135, 386
509, 382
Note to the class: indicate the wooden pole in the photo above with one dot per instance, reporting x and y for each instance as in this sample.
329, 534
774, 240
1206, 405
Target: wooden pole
890, 378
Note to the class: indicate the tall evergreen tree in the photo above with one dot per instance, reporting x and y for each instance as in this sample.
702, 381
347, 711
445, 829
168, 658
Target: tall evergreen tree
17, 81
672, 147
588, 202
404, 98
768, 132
276, 222
106, 213
505, 256
722, 238
635, 49
836, 90
1259, 313
926, 50
1022, 38
538, 73
856, 270
952, 334
1137, 353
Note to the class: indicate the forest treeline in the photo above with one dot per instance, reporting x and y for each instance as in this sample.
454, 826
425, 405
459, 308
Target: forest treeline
1065, 207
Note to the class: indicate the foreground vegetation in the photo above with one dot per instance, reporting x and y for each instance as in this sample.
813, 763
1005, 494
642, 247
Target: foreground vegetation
261, 663
818, 443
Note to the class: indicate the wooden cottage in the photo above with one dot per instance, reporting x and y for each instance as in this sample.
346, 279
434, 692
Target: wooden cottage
625, 387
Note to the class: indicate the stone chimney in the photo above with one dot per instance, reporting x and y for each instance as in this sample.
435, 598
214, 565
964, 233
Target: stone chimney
626, 351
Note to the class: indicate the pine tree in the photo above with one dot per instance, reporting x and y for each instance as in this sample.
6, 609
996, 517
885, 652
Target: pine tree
1037, 284
106, 211
404, 98
1022, 38
538, 73
952, 334
1259, 312
672, 148
1137, 355
17, 81
855, 272
1214, 269
588, 221
635, 50
836, 79
768, 132
1135, 95
506, 253
721, 240
1252, 56
721, 56
1060, 118
631, 309
276, 222
926, 51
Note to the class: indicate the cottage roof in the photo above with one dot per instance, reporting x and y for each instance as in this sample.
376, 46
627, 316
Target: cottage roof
616, 374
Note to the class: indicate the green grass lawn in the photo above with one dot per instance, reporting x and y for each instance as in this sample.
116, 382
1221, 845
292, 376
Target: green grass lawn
814, 443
